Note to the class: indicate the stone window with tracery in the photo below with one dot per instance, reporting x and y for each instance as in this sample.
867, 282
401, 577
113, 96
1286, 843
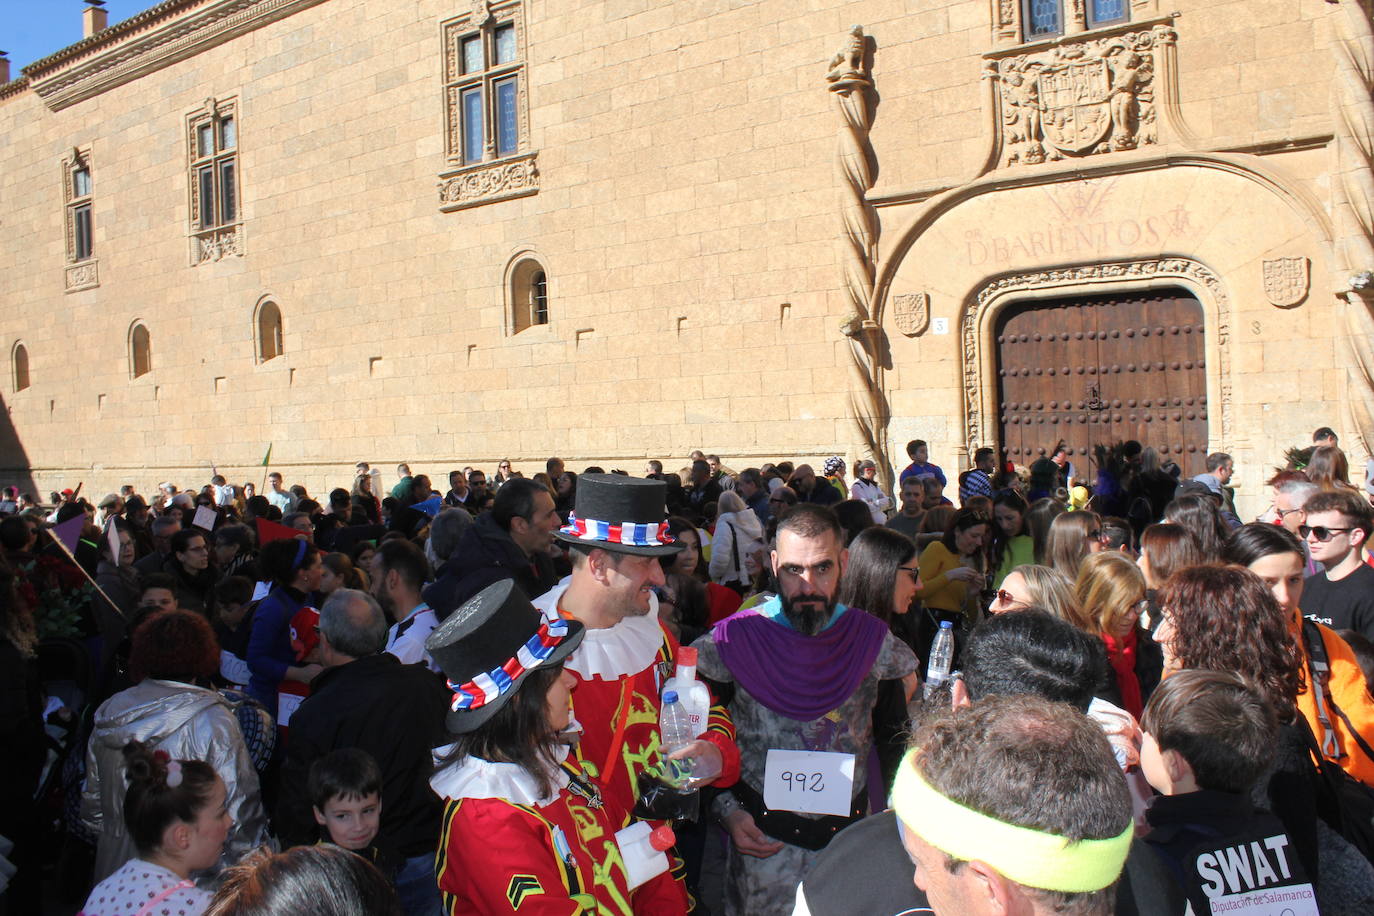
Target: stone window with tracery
79, 220
215, 214
488, 156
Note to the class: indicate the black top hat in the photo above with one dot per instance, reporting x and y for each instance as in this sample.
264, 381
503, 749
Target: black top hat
620, 514
490, 645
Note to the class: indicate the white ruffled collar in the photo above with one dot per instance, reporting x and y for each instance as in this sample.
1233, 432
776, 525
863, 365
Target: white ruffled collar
611, 653
474, 777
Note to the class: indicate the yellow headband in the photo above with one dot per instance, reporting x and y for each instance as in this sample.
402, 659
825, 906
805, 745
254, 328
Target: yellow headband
1028, 857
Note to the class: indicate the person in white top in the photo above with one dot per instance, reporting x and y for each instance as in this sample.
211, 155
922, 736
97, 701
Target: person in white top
866, 487
738, 543
159, 881
399, 571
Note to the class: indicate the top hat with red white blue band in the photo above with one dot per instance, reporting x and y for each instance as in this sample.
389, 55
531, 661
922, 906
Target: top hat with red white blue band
620, 514
490, 645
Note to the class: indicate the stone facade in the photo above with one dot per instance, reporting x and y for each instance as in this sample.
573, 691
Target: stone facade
764, 233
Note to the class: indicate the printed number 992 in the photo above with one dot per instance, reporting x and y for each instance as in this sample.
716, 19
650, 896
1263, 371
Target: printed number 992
802, 782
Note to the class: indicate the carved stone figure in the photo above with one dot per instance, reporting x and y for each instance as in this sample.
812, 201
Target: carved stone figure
1021, 118
1127, 79
848, 63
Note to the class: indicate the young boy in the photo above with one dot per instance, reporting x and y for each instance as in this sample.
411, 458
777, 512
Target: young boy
1208, 738
345, 789
233, 597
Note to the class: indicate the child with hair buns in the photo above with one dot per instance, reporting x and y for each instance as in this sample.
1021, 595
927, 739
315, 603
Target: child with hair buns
175, 814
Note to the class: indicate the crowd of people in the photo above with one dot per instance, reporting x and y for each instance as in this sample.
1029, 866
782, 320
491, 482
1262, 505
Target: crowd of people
768, 691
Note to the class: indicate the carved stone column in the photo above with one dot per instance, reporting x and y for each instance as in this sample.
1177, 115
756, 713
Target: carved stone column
1352, 195
849, 83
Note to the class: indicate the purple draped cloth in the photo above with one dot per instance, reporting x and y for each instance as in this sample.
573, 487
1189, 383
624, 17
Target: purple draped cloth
798, 676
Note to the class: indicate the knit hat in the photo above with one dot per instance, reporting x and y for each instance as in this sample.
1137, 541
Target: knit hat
833, 466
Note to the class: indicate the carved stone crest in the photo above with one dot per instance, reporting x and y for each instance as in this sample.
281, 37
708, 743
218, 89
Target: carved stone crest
1286, 281
1078, 99
911, 312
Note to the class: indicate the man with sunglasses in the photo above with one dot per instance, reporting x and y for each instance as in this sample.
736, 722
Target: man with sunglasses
1337, 527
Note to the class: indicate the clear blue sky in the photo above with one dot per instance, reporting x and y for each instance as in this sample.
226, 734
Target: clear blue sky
32, 29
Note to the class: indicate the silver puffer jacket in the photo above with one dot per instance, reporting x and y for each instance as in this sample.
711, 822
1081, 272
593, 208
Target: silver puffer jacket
189, 723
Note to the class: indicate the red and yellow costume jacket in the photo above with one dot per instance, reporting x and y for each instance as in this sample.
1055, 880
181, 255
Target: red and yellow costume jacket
620, 672
507, 849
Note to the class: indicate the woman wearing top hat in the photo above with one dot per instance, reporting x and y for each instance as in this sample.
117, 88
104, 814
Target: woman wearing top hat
525, 829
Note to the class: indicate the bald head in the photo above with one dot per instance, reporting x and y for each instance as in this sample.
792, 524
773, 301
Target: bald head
353, 625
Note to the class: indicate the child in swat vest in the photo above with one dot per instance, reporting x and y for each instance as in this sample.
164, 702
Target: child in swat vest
1208, 737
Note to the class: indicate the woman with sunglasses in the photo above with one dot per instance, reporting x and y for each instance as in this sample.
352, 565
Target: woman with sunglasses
503, 473
1071, 538
1110, 594
1036, 586
1276, 556
881, 578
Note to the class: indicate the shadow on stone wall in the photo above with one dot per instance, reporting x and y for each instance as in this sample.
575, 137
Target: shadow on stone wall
15, 469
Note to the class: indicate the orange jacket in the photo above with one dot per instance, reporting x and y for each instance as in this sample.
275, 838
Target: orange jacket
1348, 689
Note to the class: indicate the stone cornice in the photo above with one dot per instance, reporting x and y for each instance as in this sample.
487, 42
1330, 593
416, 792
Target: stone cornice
158, 37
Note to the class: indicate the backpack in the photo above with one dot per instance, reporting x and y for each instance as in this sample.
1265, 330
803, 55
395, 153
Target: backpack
1343, 802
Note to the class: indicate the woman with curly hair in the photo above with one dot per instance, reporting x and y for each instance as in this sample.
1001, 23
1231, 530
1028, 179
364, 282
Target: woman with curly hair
1109, 596
173, 654
1225, 618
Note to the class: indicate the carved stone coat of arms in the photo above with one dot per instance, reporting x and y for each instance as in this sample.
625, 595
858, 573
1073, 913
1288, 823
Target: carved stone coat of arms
1286, 281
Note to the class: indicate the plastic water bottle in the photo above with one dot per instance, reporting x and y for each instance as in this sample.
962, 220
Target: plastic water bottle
692, 693
675, 733
941, 657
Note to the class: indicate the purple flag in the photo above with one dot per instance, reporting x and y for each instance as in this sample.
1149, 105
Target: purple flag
69, 532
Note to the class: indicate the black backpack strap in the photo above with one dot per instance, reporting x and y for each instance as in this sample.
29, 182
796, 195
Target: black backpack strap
1320, 669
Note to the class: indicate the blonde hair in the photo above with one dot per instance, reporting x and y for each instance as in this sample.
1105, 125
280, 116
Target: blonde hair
1050, 590
1109, 584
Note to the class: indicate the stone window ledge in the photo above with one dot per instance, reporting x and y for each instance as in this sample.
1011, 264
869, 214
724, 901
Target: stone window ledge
488, 182
217, 244
82, 275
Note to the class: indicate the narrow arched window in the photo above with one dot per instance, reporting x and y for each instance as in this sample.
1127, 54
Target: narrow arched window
529, 295
19, 361
269, 332
140, 351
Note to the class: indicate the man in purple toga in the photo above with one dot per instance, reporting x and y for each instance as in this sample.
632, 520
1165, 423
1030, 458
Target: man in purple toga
805, 674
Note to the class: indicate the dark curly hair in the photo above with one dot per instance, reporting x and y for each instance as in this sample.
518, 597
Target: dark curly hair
174, 646
1224, 618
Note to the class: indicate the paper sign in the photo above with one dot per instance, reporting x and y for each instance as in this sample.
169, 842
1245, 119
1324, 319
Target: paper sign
205, 518
232, 668
287, 704
112, 535
261, 590
810, 782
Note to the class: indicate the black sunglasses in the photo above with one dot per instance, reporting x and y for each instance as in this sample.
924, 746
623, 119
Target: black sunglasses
1321, 532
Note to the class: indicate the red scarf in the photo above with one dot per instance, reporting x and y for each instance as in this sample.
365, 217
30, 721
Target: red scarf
1121, 654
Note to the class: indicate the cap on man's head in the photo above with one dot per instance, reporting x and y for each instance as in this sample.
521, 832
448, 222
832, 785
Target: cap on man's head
621, 515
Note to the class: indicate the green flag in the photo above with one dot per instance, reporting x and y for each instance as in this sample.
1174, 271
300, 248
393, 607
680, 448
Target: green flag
268, 457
